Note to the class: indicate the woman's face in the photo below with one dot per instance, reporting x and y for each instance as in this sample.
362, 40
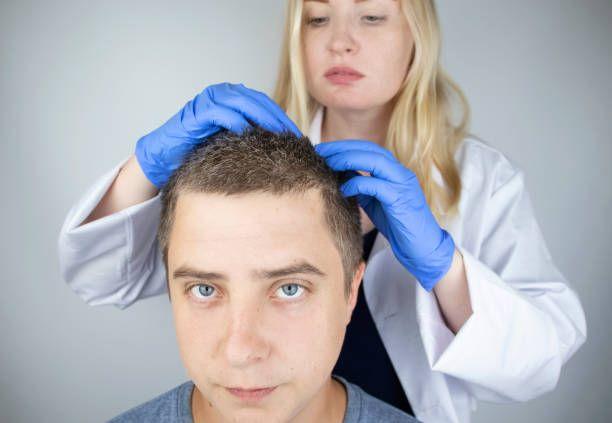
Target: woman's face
370, 36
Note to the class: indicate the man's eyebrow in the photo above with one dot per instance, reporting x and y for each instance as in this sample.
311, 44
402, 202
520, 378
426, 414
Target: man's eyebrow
303, 267
190, 272
299, 267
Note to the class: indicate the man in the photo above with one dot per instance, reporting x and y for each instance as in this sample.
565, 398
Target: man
263, 256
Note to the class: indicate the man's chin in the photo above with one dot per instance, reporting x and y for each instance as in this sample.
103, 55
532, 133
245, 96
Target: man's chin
263, 411
253, 399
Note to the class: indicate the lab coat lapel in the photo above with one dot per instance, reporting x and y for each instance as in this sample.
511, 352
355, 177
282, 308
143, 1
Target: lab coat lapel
390, 292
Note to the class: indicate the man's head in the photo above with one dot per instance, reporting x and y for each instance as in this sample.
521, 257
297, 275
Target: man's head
263, 259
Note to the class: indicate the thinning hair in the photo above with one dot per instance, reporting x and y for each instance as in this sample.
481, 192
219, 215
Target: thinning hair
258, 160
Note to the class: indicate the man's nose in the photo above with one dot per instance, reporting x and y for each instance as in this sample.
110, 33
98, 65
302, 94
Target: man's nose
245, 343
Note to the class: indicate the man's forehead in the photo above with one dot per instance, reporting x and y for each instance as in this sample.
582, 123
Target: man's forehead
239, 210
258, 231
258, 220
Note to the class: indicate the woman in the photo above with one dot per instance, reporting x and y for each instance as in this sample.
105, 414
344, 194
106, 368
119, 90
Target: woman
476, 310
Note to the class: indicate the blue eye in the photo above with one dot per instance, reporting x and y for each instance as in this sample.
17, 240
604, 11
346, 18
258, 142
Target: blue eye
202, 291
291, 289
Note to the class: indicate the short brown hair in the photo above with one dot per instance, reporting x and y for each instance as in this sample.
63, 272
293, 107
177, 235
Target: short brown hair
278, 163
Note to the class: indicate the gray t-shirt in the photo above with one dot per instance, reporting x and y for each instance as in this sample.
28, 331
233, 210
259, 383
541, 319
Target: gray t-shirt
175, 406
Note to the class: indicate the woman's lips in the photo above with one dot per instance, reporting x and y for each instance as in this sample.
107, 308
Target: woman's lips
343, 79
342, 75
250, 394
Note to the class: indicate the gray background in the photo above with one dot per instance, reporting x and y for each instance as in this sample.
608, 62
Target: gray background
80, 82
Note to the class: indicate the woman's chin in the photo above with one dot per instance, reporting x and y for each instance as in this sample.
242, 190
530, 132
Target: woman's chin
339, 103
357, 100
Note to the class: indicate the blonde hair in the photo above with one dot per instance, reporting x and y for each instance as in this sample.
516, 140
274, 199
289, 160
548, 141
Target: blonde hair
422, 130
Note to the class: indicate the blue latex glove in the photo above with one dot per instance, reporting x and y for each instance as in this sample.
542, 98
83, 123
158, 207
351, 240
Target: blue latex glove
392, 198
222, 106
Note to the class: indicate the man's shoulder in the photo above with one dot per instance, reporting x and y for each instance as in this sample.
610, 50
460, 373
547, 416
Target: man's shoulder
364, 408
171, 406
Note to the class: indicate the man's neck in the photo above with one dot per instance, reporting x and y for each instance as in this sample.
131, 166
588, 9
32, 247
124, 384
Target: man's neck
328, 405
368, 124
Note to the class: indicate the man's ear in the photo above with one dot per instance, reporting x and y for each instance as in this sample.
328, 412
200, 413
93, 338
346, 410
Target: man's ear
352, 300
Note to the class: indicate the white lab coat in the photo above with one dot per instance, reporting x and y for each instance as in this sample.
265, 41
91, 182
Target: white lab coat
527, 320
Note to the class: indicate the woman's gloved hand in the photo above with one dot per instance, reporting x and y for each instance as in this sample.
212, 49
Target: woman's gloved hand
222, 106
394, 201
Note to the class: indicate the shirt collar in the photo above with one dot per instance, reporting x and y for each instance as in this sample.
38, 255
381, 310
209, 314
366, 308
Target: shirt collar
314, 132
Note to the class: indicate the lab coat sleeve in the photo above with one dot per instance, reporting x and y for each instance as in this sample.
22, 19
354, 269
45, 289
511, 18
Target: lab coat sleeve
115, 259
526, 322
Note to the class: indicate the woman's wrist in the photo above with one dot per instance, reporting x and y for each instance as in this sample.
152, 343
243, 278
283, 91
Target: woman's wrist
453, 296
130, 187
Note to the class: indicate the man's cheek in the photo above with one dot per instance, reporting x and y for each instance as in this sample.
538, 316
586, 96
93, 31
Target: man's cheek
195, 340
309, 338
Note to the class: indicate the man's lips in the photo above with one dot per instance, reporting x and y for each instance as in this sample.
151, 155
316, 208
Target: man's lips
250, 394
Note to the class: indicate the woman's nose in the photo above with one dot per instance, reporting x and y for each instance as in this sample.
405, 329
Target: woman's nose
342, 40
245, 344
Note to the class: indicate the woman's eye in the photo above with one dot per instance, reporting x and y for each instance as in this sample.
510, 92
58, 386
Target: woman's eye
291, 290
373, 19
202, 291
315, 21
